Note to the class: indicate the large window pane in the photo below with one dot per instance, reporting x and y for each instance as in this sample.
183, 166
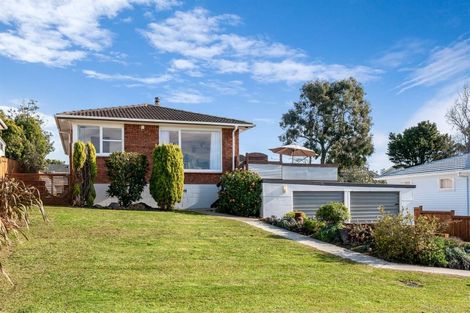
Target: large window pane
112, 146
169, 136
201, 150
90, 133
112, 134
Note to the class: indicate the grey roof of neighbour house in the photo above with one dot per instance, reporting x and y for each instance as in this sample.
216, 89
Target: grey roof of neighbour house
150, 112
456, 163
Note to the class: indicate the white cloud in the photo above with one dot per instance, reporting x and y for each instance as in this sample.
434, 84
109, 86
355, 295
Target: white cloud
292, 71
443, 64
435, 108
227, 66
232, 87
189, 97
57, 33
402, 52
152, 80
183, 64
167, 4
197, 34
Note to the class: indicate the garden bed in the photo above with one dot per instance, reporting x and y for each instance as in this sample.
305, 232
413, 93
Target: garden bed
392, 238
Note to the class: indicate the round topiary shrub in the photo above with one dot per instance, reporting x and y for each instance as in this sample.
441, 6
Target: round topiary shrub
240, 193
333, 213
167, 181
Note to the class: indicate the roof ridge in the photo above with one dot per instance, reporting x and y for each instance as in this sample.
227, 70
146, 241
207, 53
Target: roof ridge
107, 108
191, 112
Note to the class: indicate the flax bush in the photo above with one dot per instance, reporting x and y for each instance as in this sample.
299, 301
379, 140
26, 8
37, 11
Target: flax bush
16, 202
240, 193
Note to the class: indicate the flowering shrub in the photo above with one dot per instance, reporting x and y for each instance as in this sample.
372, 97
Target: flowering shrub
240, 193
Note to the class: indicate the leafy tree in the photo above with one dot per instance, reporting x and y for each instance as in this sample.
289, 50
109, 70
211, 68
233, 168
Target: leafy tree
459, 117
78, 162
26, 141
167, 180
359, 174
419, 144
54, 162
126, 171
333, 119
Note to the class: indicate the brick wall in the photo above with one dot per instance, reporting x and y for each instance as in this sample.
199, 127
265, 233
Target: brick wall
144, 140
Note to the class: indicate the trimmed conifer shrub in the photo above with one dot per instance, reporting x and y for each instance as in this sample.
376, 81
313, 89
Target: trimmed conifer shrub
126, 171
167, 180
84, 174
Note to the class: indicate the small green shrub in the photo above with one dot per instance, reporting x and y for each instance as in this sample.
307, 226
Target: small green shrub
240, 193
126, 171
333, 213
79, 156
292, 214
312, 227
167, 181
457, 254
397, 239
91, 170
329, 233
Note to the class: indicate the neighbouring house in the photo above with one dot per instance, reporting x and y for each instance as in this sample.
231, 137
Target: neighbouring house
210, 144
441, 185
3, 146
305, 187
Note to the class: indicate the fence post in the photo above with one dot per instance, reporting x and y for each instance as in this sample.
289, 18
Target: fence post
417, 211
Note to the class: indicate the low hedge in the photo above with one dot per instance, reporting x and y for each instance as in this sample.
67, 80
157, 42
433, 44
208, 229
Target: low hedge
240, 193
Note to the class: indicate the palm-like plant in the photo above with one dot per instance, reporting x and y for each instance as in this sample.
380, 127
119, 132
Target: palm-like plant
16, 202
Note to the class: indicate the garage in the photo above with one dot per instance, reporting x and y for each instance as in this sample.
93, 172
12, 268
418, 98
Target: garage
309, 201
365, 205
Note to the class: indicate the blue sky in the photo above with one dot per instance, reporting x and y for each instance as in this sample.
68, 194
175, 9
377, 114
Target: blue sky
241, 59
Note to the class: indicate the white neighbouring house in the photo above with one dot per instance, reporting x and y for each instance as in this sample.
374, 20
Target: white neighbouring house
442, 185
3, 146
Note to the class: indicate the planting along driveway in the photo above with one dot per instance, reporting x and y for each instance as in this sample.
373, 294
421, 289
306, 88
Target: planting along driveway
88, 260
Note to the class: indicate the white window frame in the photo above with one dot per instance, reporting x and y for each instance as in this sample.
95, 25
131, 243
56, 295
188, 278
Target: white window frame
201, 130
445, 189
101, 153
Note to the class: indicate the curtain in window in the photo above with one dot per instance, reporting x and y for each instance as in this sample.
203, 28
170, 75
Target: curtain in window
164, 137
216, 151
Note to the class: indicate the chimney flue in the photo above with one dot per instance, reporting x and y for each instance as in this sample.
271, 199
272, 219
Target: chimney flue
157, 101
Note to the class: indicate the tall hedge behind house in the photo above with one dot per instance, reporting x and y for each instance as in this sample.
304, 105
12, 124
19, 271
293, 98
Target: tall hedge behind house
126, 171
240, 193
167, 180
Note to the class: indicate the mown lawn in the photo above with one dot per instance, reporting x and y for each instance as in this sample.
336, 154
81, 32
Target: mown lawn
88, 260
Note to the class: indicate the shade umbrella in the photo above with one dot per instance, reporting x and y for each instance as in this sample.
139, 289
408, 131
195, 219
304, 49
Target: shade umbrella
294, 150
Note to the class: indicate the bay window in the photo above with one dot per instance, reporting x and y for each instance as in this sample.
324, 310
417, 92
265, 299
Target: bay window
105, 139
202, 150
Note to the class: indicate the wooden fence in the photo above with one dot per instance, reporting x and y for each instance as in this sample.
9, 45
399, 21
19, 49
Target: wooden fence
8, 166
54, 188
457, 226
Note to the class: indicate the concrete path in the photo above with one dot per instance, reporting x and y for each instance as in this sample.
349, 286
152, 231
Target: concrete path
336, 250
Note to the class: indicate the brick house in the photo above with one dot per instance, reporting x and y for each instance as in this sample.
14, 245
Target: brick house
210, 144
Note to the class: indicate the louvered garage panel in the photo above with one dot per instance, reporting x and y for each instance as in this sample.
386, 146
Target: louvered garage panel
310, 201
365, 206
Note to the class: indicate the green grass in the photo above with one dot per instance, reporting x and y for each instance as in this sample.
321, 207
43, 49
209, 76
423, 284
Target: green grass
87, 260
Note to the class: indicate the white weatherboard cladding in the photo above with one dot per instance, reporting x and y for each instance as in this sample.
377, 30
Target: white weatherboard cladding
196, 196
278, 197
428, 194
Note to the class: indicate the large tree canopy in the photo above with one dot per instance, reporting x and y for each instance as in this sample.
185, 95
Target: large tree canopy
333, 119
419, 144
25, 139
459, 117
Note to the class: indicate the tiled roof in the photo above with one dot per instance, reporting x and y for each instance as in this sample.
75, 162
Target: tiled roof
151, 112
456, 163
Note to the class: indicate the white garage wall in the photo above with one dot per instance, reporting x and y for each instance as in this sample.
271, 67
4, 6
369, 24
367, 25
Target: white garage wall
278, 197
196, 196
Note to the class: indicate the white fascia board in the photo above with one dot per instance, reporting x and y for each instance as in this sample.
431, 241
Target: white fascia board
437, 173
150, 121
